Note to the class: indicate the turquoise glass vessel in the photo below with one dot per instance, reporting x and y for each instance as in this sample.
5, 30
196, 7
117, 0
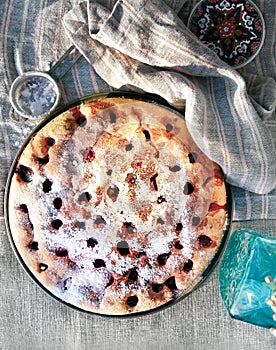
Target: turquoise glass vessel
249, 260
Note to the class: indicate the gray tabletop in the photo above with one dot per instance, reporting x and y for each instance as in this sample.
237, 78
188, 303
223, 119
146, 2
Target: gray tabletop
29, 318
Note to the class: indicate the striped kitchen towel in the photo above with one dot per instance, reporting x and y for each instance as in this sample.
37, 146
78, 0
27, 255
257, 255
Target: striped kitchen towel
144, 45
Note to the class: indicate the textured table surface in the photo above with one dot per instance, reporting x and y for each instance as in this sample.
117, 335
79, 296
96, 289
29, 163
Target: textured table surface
30, 319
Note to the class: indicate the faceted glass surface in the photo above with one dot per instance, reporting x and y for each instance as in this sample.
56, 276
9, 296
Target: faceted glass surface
249, 258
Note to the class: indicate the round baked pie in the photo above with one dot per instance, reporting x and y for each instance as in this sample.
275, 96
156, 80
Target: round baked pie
113, 209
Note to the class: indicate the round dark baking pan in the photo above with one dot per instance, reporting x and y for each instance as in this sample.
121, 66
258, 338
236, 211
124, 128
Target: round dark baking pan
146, 98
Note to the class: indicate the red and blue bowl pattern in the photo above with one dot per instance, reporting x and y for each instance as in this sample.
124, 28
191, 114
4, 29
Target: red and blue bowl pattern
234, 29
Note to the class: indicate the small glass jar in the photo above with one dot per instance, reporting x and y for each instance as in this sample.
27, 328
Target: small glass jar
34, 95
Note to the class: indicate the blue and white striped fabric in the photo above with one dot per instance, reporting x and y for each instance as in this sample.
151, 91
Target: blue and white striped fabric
237, 138
144, 44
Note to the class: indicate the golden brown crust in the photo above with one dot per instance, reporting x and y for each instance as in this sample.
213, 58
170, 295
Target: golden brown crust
114, 209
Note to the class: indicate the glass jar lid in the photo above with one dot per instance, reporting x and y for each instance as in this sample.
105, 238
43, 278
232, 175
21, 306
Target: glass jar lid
34, 94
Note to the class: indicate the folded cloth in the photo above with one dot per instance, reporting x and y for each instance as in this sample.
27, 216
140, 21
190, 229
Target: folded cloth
144, 44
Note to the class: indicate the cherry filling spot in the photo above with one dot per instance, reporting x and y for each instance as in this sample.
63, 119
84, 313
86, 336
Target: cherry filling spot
43, 160
123, 248
80, 118
110, 282
91, 242
100, 221
99, 263
178, 226
188, 188
113, 193
174, 168
160, 221
169, 127
161, 199
57, 203
81, 121
51, 141
128, 147
132, 301
133, 275
89, 155
136, 165
24, 208
140, 254
25, 173
56, 224
178, 245
80, 224
204, 241
195, 220
147, 135
47, 186
43, 267
131, 178
129, 228
153, 183
33, 245
66, 283
188, 265
170, 283
112, 116
162, 258
216, 206
192, 157
85, 197
156, 287
61, 252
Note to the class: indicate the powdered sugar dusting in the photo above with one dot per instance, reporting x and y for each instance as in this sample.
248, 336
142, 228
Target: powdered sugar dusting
122, 210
